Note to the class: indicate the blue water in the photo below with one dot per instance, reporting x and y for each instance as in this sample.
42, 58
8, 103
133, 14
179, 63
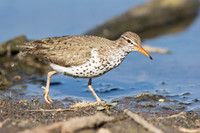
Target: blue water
47, 18
179, 70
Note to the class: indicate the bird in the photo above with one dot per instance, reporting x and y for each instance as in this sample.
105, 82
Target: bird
82, 56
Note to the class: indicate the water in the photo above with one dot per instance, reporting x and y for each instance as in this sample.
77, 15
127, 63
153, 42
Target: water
47, 18
173, 74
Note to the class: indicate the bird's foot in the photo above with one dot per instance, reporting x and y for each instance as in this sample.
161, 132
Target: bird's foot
99, 101
46, 95
84, 104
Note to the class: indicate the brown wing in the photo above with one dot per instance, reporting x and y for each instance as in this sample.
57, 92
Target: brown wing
65, 51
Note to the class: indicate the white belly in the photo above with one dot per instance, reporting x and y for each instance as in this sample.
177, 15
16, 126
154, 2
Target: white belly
90, 69
94, 67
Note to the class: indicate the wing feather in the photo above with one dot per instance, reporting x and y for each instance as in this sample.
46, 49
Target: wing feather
67, 50
63, 51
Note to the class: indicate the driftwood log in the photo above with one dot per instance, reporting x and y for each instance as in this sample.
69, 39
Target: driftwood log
150, 15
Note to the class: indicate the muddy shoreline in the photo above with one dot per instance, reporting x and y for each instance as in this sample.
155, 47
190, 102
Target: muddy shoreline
24, 116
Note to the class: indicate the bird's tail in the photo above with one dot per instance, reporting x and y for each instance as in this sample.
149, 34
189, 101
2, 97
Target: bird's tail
25, 46
24, 50
21, 55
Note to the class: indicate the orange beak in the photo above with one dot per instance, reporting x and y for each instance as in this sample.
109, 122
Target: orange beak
140, 49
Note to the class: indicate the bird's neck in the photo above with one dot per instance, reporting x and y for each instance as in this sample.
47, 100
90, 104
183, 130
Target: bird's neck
115, 56
121, 45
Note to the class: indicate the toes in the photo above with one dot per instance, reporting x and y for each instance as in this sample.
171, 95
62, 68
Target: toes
46, 95
99, 101
46, 92
49, 98
83, 104
43, 87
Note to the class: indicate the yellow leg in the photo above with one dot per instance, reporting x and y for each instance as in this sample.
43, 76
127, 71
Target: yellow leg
93, 92
46, 89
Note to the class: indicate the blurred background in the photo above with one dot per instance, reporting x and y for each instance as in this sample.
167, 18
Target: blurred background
40, 19
173, 25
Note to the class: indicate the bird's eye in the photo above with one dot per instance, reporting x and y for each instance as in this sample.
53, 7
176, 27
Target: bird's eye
129, 41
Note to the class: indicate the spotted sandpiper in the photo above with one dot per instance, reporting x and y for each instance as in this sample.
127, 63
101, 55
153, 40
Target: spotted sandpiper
82, 56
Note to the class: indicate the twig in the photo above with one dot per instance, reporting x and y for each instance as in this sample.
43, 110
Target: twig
181, 114
2, 123
186, 130
103, 130
142, 122
85, 122
49, 110
74, 124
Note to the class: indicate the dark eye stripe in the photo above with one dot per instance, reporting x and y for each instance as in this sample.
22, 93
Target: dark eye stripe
129, 41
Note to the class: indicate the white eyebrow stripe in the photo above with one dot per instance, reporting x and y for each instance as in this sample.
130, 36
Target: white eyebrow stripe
134, 43
129, 39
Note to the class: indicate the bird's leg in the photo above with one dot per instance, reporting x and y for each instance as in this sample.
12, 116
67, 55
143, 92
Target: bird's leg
46, 89
85, 104
93, 92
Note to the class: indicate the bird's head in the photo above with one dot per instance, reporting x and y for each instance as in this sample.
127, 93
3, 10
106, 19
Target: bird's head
132, 43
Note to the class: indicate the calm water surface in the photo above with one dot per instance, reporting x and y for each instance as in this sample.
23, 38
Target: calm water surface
47, 18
